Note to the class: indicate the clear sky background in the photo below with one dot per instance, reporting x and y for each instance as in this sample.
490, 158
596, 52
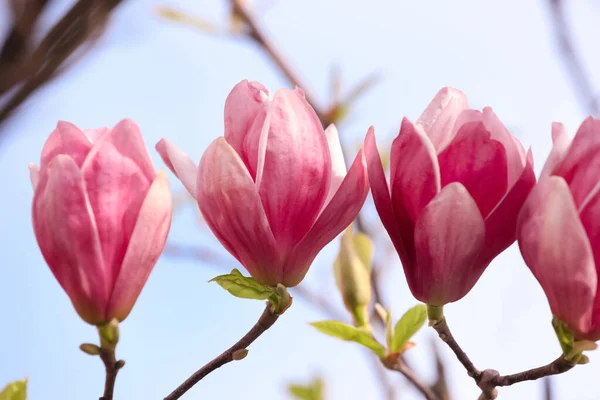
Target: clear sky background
173, 81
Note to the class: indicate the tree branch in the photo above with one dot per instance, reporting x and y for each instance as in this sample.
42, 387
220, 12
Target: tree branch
112, 367
489, 379
235, 352
571, 59
397, 364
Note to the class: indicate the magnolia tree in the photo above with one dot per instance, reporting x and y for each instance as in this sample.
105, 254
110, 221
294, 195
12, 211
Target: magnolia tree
274, 190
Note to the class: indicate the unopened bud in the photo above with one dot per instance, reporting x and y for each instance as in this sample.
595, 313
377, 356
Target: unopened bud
239, 354
352, 269
89, 348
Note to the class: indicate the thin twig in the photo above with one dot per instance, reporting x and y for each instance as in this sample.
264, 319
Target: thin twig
266, 320
397, 364
489, 379
572, 60
112, 367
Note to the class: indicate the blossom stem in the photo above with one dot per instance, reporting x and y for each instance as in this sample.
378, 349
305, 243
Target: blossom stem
489, 379
112, 367
397, 364
266, 320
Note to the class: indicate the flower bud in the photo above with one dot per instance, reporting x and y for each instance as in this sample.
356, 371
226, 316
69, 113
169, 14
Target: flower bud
352, 269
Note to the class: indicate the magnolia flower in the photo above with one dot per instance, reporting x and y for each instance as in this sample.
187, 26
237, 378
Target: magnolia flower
274, 189
101, 216
457, 181
559, 229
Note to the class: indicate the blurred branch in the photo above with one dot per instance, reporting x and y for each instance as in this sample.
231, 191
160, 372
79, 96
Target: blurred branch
396, 364
23, 71
548, 392
571, 59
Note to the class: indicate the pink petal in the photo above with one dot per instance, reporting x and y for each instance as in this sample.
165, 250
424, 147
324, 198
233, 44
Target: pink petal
179, 163
338, 164
515, 153
295, 179
448, 238
34, 174
245, 111
438, 119
479, 163
116, 186
94, 135
581, 163
66, 139
501, 223
339, 213
127, 140
383, 202
555, 246
231, 206
66, 233
147, 242
560, 145
414, 171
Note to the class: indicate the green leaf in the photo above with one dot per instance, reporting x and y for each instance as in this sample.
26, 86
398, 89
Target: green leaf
16, 390
242, 286
314, 391
407, 326
349, 333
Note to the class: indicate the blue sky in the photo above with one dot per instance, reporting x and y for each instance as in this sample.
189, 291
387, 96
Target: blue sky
173, 81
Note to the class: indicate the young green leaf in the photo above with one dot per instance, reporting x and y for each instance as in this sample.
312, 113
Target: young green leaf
407, 326
314, 391
242, 286
349, 333
16, 390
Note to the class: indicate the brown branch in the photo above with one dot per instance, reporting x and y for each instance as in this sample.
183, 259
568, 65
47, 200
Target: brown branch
112, 367
395, 363
572, 60
235, 352
488, 380
76, 27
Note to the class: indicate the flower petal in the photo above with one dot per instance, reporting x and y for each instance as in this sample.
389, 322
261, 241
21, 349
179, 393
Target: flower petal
245, 111
383, 201
127, 140
66, 139
231, 206
515, 153
448, 238
560, 145
338, 164
414, 171
338, 214
145, 246
94, 135
438, 119
34, 174
179, 163
66, 232
581, 162
116, 186
555, 246
295, 178
479, 163
501, 223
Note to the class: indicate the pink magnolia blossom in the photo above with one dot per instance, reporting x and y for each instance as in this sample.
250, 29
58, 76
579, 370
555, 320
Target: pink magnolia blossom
274, 190
101, 216
559, 229
458, 179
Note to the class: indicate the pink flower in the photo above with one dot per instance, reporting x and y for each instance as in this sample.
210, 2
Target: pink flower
458, 179
101, 216
274, 190
559, 229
